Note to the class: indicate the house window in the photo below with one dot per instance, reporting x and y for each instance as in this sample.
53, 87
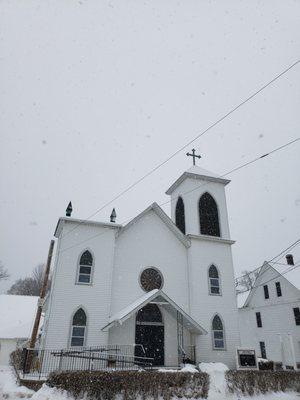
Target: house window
85, 267
278, 289
258, 320
266, 291
78, 328
263, 353
179, 215
214, 280
218, 333
297, 315
209, 216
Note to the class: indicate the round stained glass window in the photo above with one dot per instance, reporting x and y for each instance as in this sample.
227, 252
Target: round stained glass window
151, 279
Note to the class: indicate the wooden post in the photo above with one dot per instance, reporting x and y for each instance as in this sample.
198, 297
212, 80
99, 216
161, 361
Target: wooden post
42, 296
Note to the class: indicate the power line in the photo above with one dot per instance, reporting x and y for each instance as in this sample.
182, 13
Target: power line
270, 261
218, 121
242, 166
203, 184
279, 274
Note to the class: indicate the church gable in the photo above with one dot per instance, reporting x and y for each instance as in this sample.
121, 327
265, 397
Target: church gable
163, 217
272, 287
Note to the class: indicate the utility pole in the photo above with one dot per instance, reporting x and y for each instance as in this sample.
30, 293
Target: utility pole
42, 296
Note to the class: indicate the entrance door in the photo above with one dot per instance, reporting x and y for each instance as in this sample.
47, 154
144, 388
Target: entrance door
149, 332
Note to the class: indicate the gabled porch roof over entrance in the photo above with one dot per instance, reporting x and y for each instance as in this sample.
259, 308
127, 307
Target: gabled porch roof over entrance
160, 298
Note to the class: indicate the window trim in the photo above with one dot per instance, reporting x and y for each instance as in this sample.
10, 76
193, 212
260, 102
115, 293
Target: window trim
259, 323
212, 334
219, 280
90, 283
265, 350
266, 290
278, 289
218, 211
296, 318
143, 268
72, 326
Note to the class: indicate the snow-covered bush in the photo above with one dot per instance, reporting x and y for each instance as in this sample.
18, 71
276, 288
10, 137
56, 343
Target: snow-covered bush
254, 382
128, 385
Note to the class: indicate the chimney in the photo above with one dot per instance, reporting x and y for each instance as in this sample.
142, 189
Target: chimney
289, 259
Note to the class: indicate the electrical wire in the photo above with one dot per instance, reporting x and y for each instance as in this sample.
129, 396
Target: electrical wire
218, 121
187, 192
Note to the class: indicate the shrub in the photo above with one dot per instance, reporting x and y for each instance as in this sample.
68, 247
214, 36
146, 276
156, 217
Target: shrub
266, 365
252, 382
129, 385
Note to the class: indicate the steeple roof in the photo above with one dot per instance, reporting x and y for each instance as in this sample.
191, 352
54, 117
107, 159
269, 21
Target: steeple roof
196, 172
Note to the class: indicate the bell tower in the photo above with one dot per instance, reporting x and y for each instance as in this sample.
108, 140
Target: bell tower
198, 203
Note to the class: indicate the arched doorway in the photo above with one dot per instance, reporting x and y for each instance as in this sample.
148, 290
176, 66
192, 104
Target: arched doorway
149, 332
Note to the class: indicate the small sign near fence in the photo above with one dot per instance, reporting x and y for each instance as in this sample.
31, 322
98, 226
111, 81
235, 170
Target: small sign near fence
246, 359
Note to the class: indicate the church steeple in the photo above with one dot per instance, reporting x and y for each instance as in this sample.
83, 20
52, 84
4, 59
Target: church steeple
198, 203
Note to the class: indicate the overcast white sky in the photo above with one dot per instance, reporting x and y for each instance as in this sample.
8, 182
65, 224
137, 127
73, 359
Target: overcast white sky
94, 94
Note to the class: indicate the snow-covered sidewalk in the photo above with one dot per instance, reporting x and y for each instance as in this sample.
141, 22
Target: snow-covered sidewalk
9, 390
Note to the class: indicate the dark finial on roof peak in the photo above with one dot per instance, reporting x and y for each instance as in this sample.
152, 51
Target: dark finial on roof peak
69, 210
113, 216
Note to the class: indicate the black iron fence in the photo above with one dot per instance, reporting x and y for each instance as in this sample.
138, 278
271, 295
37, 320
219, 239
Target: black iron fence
39, 363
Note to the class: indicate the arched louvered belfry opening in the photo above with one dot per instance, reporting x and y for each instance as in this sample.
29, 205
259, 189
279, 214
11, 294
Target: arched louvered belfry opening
179, 215
209, 216
149, 333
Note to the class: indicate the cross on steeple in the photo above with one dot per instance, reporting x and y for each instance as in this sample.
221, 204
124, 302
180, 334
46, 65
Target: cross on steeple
193, 155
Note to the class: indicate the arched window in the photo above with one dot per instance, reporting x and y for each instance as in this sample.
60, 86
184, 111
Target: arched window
214, 280
179, 215
218, 333
85, 267
78, 328
209, 216
149, 314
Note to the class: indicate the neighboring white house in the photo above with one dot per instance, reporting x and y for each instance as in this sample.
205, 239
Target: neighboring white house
165, 283
269, 315
16, 320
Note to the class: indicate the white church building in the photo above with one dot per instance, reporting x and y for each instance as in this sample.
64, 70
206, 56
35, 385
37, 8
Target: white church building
164, 283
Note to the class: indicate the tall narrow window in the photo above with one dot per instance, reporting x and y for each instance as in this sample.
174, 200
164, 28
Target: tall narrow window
263, 352
179, 215
258, 320
85, 268
214, 280
209, 216
218, 333
78, 328
266, 291
278, 289
297, 315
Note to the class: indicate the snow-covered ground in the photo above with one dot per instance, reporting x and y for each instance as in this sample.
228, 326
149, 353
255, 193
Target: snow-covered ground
9, 390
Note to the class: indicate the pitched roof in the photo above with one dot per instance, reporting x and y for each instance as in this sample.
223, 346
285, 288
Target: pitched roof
17, 316
291, 274
196, 172
62, 220
165, 219
164, 301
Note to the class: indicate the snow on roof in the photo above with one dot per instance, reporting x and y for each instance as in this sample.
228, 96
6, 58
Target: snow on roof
202, 171
241, 298
127, 310
17, 316
165, 302
196, 172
